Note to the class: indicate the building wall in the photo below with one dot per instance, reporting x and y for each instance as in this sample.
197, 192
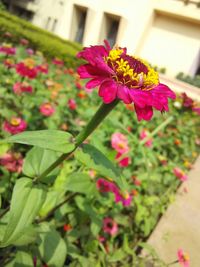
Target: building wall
165, 32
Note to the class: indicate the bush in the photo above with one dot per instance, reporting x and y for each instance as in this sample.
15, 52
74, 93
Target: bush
48, 43
195, 81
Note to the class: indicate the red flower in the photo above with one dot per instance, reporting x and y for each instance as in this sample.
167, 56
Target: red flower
7, 49
72, 104
20, 88
24, 41
67, 227
58, 62
124, 77
183, 258
110, 226
13, 162
180, 174
47, 109
144, 133
104, 187
9, 63
124, 162
43, 68
15, 125
27, 68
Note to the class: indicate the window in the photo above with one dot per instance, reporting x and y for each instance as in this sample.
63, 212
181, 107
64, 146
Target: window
109, 29
23, 13
78, 23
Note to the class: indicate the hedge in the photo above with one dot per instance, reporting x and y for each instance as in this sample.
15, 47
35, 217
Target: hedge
42, 40
189, 79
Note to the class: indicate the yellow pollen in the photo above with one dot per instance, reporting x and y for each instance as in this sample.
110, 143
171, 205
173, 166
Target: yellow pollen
15, 121
125, 195
186, 257
7, 45
114, 54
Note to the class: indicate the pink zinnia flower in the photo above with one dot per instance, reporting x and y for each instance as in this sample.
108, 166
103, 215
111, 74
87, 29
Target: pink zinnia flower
124, 162
27, 68
13, 162
23, 87
9, 63
187, 101
180, 174
110, 226
24, 41
30, 51
15, 125
119, 142
105, 186
144, 133
72, 104
183, 258
58, 62
7, 49
47, 109
43, 68
121, 76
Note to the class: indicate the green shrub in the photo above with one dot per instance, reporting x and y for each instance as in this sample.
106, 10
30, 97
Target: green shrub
44, 41
195, 81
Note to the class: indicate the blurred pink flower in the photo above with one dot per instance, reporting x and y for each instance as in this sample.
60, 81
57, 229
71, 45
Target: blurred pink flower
183, 258
180, 174
143, 134
7, 49
47, 109
72, 104
27, 68
43, 68
124, 77
58, 62
13, 162
78, 85
124, 162
15, 125
110, 226
9, 63
105, 186
30, 51
24, 41
119, 142
23, 87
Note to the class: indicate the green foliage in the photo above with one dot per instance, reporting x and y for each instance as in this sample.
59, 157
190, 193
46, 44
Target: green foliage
44, 41
195, 81
59, 141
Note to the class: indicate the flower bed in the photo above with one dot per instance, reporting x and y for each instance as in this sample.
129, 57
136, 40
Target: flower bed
79, 214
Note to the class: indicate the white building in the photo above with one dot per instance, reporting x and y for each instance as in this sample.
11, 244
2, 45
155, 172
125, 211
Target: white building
164, 32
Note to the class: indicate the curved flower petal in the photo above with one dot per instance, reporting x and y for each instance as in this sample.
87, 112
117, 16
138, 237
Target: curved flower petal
123, 94
108, 91
140, 98
94, 82
144, 113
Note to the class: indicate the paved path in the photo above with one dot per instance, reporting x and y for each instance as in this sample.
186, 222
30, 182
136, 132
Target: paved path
179, 87
179, 227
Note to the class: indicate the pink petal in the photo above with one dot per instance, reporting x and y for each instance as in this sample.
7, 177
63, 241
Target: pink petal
108, 91
123, 94
140, 98
94, 82
145, 113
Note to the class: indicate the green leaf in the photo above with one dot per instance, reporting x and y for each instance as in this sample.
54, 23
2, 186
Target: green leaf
38, 160
81, 183
52, 247
26, 202
29, 236
23, 259
3, 148
94, 159
49, 139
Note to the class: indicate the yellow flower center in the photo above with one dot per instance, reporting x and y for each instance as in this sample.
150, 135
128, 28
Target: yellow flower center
133, 72
15, 121
29, 62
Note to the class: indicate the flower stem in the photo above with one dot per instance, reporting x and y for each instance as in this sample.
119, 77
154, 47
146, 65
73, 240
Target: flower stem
99, 116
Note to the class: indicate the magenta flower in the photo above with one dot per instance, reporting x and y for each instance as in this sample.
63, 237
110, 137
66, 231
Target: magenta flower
72, 104
7, 49
119, 142
105, 186
20, 88
144, 133
43, 68
30, 51
180, 174
58, 62
13, 162
124, 161
24, 42
47, 109
110, 226
183, 258
27, 68
15, 125
121, 76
